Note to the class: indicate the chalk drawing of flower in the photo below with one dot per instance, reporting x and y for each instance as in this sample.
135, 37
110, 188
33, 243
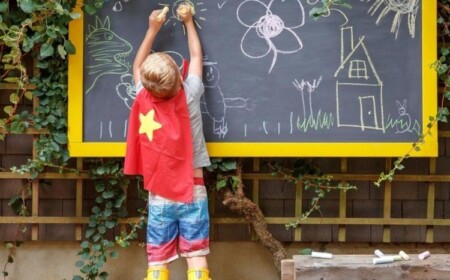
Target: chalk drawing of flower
269, 31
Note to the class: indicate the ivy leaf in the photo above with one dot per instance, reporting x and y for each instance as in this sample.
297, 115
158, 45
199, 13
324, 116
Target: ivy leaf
3, 7
46, 50
60, 138
70, 48
85, 244
9, 110
62, 52
228, 165
79, 263
14, 98
27, 6
110, 224
11, 79
90, 9
75, 15
29, 95
221, 184
108, 194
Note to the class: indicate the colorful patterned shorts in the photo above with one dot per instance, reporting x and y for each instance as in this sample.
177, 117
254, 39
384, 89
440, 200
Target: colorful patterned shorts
175, 225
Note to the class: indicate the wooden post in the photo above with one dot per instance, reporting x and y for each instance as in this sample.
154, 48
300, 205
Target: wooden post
288, 269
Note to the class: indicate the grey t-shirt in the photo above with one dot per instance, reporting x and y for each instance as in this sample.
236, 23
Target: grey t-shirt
193, 86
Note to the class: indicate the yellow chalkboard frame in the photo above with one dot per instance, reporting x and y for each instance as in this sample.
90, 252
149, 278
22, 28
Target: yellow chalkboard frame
78, 148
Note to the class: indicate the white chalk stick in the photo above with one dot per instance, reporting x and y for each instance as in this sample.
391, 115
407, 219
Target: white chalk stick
378, 253
321, 255
382, 260
404, 255
397, 258
164, 11
424, 255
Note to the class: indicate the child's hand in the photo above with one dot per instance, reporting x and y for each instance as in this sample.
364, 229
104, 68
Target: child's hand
156, 20
184, 12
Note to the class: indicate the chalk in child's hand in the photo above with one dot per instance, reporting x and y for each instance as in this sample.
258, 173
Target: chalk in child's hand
424, 255
164, 11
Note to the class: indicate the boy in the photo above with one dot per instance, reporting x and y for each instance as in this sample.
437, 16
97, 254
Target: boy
166, 145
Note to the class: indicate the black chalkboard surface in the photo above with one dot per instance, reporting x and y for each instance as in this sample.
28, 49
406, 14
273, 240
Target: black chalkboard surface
272, 74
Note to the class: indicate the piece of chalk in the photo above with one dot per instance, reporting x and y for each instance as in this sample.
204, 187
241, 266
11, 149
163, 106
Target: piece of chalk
424, 255
382, 260
404, 256
378, 253
164, 11
321, 255
397, 258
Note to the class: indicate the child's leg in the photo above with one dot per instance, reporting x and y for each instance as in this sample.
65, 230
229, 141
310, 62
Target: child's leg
162, 231
195, 262
194, 234
197, 268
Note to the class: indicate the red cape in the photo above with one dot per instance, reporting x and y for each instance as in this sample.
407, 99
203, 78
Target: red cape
159, 145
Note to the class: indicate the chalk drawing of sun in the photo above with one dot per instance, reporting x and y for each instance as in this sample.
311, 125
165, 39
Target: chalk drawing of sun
197, 11
400, 8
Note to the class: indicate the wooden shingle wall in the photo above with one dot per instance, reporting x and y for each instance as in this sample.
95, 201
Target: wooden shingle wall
415, 207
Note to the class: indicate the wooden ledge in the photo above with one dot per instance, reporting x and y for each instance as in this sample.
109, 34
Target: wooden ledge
342, 267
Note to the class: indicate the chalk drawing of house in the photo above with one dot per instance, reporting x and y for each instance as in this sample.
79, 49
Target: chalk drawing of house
359, 89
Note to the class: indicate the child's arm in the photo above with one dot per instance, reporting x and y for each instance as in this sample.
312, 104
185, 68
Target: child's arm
155, 25
195, 48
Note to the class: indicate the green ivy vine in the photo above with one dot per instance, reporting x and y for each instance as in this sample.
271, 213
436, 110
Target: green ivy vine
110, 185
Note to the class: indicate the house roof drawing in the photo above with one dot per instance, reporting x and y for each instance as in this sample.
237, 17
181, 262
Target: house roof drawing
360, 53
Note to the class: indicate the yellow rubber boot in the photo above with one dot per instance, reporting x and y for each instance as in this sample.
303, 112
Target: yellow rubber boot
157, 274
198, 274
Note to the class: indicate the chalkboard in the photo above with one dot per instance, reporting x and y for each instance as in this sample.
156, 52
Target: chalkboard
355, 82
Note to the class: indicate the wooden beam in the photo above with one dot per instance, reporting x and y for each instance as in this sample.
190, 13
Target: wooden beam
342, 203
387, 202
431, 197
271, 220
79, 201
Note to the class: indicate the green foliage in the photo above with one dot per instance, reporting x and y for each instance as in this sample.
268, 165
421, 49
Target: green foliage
324, 10
304, 171
110, 185
224, 170
38, 30
442, 68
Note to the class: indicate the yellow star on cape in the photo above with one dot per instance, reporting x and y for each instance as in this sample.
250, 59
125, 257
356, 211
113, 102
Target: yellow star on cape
148, 124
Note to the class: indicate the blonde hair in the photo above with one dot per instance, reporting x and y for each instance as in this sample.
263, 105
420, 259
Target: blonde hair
160, 75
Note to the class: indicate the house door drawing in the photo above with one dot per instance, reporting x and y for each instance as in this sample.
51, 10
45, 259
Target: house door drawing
368, 112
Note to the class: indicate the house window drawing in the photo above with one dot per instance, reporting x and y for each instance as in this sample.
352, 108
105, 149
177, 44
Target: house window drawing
357, 69
359, 89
